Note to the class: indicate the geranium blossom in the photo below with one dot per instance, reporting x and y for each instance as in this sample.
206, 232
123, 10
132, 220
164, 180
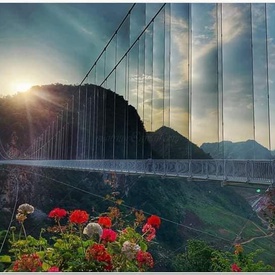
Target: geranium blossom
235, 268
79, 216
105, 222
109, 235
99, 253
130, 249
57, 213
149, 231
25, 209
154, 221
92, 228
21, 217
53, 269
145, 258
28, 262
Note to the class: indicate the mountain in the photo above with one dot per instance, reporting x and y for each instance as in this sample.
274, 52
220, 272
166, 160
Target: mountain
168, 143
249, 149
27, 115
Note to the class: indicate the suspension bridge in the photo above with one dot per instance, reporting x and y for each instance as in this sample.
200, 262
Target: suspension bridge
204, 70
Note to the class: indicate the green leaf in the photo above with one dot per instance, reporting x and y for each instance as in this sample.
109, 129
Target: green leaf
5, 259
45, 266
143, 246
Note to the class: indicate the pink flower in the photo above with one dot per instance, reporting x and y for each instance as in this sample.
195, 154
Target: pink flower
53, 269
108, 235
235, 268
150, 230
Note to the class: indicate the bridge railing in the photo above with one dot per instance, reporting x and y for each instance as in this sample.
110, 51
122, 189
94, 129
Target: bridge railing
248, 171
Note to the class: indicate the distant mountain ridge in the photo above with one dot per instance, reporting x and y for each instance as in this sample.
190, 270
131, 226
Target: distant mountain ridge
249, 149
167, 143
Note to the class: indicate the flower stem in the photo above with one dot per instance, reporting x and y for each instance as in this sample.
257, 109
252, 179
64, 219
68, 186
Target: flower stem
23, 228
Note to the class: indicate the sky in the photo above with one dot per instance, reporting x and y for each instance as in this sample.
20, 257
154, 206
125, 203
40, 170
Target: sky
182, 72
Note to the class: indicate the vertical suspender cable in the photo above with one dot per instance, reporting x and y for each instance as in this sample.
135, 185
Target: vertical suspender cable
104, 100
125, 109
89, 132
252, 82
190, 79
114, 106
85, 124
143, 87
137, 101
72, 128
222, 98
78, 125
152, 77
169, 79
267, 79
66, 136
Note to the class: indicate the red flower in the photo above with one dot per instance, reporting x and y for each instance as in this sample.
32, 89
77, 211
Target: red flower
53, 269
151, 231
154, 221
27, 262
105, 222
144, 258
99, 253
235, 268
79, 216
57, 213
109, 235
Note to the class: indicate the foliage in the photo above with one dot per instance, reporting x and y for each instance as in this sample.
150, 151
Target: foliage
201, 257
83, 243
196, 258
239, 261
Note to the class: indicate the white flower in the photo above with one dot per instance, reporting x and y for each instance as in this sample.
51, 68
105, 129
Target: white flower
93, 228
130, 249
25, 209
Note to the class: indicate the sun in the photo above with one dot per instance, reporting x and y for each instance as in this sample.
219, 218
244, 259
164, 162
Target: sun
22, 86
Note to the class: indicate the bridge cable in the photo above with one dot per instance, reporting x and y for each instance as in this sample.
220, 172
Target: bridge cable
252, 81
114, 103
222, 92
190, 37
137, 99
108, 43
267, 78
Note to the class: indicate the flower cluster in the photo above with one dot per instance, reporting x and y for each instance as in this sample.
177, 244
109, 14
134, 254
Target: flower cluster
150, 231
235, 268
27, 262
145, 259
81, 245
130, 249
99, 253
105, 222
93, 228
79, 217
58, 213
108, 235
22, 212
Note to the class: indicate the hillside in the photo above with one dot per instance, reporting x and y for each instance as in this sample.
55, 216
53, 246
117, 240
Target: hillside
249, 149
168, 143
